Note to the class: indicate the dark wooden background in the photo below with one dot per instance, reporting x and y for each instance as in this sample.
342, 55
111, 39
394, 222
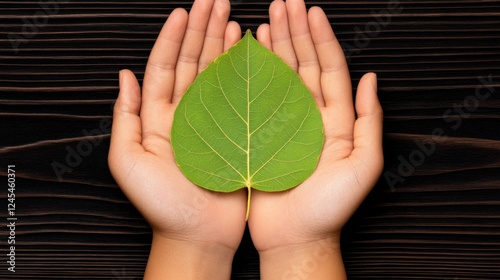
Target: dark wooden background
439, 221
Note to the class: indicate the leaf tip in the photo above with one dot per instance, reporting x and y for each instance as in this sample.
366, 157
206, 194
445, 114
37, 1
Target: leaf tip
248, 33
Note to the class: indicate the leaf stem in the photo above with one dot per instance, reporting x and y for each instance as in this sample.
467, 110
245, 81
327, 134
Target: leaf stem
248, 202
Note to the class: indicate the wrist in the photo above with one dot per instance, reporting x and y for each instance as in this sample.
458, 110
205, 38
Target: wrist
187, 259
319, 259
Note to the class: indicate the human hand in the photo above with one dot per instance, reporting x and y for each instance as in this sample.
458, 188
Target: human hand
192, 227
289, 228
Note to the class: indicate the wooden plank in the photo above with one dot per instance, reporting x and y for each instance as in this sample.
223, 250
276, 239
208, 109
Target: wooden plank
442, 221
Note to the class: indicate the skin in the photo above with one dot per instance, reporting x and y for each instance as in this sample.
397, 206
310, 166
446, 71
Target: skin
192, 227
297, 232
196, 232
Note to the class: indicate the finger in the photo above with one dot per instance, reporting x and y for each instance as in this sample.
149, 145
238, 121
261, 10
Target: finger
280, 34
308, 65
126, 130
159, 77
214, 39
264, 36
335, 79
331, 58
367, 155
189, 55
160, 69
233, 34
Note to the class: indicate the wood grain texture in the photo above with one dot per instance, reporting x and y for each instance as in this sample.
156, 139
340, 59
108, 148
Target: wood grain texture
440, 221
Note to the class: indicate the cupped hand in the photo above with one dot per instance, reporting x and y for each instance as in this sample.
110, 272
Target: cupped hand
351, 160
141, 158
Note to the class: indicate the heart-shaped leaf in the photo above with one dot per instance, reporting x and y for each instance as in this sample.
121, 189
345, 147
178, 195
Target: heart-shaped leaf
247, 121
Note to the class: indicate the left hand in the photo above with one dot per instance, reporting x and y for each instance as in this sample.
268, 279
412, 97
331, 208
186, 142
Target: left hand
351, 160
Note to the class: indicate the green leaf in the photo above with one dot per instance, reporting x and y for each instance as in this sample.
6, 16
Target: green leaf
247, 121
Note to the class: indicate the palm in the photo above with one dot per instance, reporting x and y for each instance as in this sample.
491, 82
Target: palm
320, 205
166, 198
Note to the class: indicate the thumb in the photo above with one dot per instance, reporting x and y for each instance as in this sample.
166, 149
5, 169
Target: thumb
367, 155
126, 130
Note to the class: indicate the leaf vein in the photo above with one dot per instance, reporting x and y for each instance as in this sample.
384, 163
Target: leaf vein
285, 144
225, 97
218, 125
300, 159
275, 111
236, 70
212, 174
258, 71
248, 180
267, 86
279, 176
208, 144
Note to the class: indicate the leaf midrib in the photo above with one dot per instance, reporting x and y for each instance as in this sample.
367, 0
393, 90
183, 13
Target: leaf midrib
248, 182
